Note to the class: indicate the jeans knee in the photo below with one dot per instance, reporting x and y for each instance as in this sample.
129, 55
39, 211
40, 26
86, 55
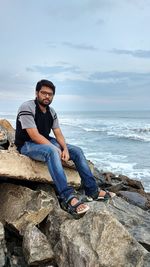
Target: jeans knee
50, 152
78, 152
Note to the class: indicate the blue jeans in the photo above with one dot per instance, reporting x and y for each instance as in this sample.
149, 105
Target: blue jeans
49, 154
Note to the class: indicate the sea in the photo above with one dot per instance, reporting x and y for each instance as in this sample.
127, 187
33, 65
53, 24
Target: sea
115, 141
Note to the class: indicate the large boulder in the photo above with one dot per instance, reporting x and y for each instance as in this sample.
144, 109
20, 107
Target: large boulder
2, 245
113, 233
135, 220
3, 136
97, 239
7, 133
20, 206
36, 247
14, 165
136, 199
130, 189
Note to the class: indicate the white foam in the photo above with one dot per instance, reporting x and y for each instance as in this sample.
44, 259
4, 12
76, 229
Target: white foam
128, 129
142, 137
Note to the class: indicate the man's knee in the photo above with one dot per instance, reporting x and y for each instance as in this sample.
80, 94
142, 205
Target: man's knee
51, 152
77, 150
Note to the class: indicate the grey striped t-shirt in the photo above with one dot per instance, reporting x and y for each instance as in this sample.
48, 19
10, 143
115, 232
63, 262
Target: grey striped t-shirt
28, 121
31, 116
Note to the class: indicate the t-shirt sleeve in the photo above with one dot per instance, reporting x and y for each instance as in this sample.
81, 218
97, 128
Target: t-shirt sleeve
26, 116
55, 119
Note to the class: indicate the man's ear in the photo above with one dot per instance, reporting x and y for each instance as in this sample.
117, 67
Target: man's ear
36, 93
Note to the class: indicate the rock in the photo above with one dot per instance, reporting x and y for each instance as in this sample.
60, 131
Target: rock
14, 256
113, 233
97, 239
51, 227
2, 245
146, 260
6, 124
112, 181
36, 247
135, 199
20, 205
123, 186
70, 164
108, 176
135, 220
24, 168
130, 182
3, 136
9, 131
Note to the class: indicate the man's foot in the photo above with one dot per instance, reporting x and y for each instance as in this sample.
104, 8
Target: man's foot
105, 194
75, 206
81, 208
101, 195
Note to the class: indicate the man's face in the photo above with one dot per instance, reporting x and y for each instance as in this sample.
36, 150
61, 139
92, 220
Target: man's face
45, 96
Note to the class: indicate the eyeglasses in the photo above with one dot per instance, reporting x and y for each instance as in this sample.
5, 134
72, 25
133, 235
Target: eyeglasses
44, 93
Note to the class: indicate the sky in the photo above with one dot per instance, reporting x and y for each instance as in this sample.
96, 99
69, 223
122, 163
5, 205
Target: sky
96, 52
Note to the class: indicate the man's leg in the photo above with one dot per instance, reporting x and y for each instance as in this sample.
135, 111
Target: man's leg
77, 156
87, 178
50, 155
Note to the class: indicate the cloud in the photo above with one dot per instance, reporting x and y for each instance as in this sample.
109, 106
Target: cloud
108, 84
100, 22
51, 45
48, 70
73, 10
119, 76
80, 46
135, 53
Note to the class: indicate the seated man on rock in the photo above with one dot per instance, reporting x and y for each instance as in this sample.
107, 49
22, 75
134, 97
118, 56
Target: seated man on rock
35, 120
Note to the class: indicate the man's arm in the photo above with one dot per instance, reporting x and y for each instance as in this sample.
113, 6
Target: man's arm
61, 140
38, 138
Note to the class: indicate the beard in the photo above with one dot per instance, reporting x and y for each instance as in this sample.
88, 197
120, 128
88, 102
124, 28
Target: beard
44, 102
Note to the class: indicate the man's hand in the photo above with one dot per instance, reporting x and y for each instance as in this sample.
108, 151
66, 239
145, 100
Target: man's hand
65, 155
57, 148
60, 139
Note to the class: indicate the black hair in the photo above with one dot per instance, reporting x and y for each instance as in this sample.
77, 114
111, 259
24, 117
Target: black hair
45, 83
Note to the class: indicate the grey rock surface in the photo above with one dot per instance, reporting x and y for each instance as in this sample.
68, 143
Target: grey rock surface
2, 245
36, 247
134, 198
98, 239
3, 136
135, 219
24, 168
7, 132
20, 205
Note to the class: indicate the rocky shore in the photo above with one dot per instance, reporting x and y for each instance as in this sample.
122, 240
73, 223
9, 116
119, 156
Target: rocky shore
35, 231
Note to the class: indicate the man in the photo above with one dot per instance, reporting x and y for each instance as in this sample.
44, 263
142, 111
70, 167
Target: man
34, 122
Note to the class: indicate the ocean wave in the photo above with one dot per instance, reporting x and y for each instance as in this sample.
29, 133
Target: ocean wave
142, 130
94, 130
131, 136
118, 131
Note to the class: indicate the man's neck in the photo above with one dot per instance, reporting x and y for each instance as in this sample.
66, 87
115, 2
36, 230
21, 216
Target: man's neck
43, 109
